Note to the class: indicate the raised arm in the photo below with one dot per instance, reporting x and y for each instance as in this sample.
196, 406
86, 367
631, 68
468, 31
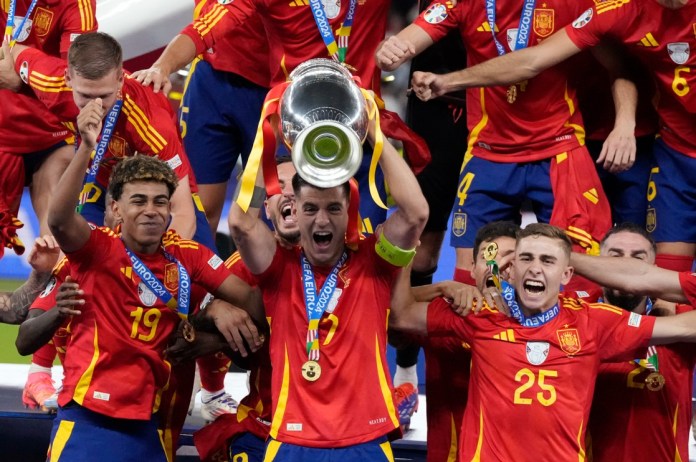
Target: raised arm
630, 275
68, 227
253, 238
403, 227
503, 70
183, 213
399, 48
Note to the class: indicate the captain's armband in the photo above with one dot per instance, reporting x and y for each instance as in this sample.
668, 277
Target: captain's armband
393, 254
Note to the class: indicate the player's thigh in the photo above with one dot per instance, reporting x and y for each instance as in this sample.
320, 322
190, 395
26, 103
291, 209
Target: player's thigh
671, 196
487, 191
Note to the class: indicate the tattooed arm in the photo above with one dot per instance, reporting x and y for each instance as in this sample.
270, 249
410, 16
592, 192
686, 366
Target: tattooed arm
14, 306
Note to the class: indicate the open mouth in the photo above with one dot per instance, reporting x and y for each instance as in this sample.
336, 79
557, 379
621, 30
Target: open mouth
322, 238
534, 287
490, 282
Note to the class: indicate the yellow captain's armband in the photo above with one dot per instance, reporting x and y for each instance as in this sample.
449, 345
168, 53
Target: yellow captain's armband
393, 254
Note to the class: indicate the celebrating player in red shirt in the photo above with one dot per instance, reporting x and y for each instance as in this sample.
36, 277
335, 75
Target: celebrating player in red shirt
316, 352
528, 136
33, 142
116, 370
538, 365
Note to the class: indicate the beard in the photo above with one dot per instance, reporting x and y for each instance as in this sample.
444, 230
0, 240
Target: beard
628, 302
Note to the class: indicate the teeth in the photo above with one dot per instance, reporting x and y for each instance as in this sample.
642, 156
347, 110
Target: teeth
534, 284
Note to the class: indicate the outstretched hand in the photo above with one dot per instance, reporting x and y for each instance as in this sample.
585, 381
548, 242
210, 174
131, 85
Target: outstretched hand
154, 76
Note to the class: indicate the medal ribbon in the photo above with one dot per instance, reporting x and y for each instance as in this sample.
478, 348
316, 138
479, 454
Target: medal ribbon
183, 301
516, 312
89, 183
316, 304
11, 35
522, 29
336, 51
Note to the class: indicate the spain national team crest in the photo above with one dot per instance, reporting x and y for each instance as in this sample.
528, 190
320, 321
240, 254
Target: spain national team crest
543, 21
146, 295
569, 340
117, 146
537, 352
459, 224
650, 220
42, 21
678, 52
171, 277
436, 13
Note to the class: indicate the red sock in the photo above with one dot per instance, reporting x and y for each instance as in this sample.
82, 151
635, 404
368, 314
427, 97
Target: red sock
213, 368
674, 262
464, 276
44, 356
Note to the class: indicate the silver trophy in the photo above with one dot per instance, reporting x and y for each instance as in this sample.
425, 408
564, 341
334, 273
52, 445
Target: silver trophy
324, 120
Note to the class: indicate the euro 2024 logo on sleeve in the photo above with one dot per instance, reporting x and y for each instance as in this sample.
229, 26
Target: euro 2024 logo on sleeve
678, 52
436, 13
584, 18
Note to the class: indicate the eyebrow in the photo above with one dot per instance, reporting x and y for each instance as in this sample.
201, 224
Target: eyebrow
145, 196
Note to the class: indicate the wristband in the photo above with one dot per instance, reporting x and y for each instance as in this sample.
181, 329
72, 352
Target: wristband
393, 254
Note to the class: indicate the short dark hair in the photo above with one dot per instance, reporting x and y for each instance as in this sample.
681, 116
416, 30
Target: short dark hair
141, 168
493, 231
546, 230
298, 183
283, 159
94, 55
628, 227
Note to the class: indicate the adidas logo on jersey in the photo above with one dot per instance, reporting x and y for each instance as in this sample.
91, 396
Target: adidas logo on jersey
507, 335
648, 41
486, 27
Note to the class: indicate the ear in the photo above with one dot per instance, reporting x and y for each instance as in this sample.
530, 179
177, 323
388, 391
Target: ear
66, 75
265, 207
116, 211
567, 274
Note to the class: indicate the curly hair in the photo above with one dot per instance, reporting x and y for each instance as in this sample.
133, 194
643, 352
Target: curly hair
141, 168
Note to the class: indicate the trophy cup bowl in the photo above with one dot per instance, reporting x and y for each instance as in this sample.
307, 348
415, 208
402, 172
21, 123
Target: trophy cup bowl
324, 119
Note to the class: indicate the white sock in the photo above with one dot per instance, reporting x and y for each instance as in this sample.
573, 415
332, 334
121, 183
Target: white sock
34, 368
208, 395
406, 374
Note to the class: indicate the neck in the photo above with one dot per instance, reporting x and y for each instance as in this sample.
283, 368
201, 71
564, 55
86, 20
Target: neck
529, 312
137, 247
673, 4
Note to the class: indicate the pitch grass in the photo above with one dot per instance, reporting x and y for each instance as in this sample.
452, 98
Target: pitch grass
8, 333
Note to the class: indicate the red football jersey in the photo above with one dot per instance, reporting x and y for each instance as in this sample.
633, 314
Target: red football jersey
661, 37
332, 411
245, 53
122, 332
254, 411
544, 120
531, 387
447, 363
26, 126
293, 33
47, 300
145, 125
624, 402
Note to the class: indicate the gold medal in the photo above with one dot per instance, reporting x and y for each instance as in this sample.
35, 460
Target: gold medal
188, 331
491, 251
655, 381
511, 94
311, 371
350, 68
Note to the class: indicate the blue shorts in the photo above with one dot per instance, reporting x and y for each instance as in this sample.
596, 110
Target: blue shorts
81, 434
672, 196
373, 451
93, 212
219, 115
247, 447
626, 191
492, 191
